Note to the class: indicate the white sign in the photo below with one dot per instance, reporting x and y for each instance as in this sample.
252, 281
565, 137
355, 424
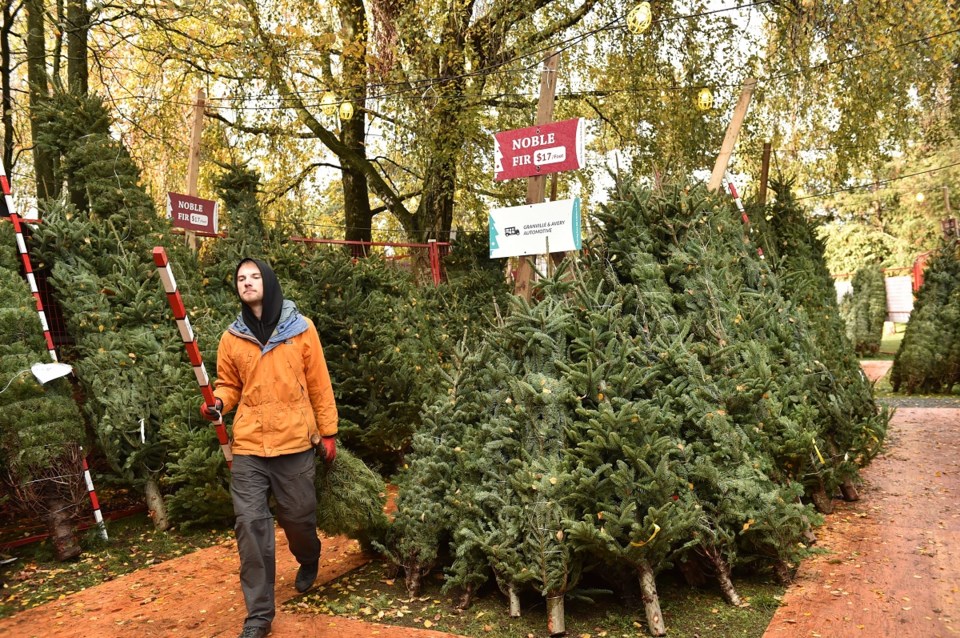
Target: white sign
535, 229
899, 298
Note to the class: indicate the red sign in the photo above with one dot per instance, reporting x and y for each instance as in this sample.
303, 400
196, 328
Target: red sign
192, 213
538, 150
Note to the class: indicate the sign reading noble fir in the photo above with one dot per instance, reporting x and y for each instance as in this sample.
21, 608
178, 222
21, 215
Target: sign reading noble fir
539, 150
192, 213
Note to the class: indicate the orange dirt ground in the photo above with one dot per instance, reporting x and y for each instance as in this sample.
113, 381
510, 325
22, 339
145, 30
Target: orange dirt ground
197, 596
893, 567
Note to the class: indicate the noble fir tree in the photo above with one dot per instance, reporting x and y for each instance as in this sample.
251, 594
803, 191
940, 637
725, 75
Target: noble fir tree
928, 360
41, 430
642, 231
796, 252
865, 310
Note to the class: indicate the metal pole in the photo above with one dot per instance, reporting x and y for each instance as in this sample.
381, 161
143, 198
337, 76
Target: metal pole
190, 343
743, 213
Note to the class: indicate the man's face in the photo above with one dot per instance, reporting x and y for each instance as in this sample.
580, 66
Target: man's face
250, 284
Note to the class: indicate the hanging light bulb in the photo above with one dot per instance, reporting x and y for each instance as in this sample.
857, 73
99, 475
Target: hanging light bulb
328, 103
704, 99
346, 111
920, 197
640, 18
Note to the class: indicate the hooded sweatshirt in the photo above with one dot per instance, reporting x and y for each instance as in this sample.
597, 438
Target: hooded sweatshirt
279, 383
262, 327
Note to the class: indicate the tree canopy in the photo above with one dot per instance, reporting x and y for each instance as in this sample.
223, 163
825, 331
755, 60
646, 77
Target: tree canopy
378, 114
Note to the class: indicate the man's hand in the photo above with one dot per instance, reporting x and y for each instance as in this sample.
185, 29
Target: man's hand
212, 412
326, 447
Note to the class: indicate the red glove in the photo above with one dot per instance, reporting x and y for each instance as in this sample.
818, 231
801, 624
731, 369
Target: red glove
212, 412
328, 448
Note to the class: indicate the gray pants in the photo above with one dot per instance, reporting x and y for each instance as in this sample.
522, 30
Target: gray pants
290, 479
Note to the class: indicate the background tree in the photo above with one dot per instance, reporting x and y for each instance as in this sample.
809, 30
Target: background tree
896, 221
865, 310
39, 86
428, 82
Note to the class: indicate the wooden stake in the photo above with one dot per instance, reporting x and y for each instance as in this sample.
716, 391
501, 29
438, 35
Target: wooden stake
550, 264
764, 174
733, 131
536, 186
946, 200
193, 164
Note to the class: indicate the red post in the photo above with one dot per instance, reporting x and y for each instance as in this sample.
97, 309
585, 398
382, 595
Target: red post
32, 282
743, 213
190, 343
919, 265
435, 261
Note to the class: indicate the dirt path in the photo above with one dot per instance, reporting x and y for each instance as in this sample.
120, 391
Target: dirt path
893, 567
197, 595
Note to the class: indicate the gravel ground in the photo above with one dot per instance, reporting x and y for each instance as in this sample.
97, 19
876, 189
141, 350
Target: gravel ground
920, 402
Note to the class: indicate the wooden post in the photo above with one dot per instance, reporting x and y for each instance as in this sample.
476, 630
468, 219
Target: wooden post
193, 164
733, 131
554, 259
764, 174
946, 200
536, 186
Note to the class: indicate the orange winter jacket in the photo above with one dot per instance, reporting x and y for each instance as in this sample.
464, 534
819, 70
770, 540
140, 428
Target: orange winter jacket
282, 390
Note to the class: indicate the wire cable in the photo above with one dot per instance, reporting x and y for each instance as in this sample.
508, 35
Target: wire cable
880, 182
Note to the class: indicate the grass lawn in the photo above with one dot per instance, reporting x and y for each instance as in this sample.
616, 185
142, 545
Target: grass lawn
890, 343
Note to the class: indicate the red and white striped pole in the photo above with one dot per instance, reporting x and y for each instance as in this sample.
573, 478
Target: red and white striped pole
190, 342
32, 281
743, 213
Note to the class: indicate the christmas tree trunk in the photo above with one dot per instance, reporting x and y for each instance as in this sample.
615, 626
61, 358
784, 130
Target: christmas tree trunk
651, 600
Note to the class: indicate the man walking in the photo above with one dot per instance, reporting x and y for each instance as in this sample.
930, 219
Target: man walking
271, 368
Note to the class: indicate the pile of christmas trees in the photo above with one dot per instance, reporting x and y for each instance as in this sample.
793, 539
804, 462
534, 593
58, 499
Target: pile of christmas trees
138, 392
41, 432
98, 249
666, 403
928, 360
